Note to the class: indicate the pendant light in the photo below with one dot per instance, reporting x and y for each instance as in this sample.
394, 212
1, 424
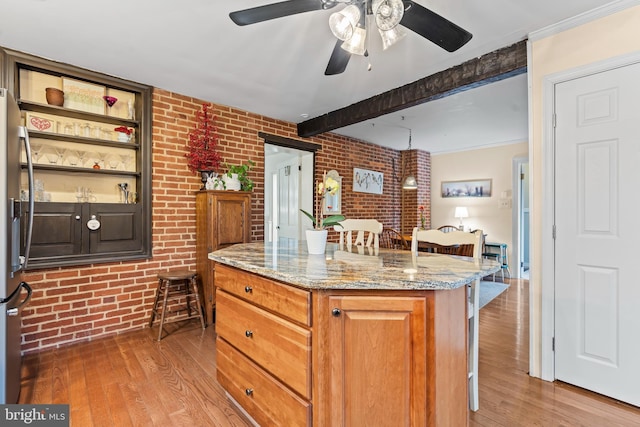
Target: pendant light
409, 182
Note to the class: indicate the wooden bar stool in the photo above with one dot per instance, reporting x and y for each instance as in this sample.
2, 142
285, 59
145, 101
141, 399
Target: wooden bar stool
174, 286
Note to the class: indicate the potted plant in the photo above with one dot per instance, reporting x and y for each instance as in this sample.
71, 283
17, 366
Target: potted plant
317, 237
237, 176
203, 156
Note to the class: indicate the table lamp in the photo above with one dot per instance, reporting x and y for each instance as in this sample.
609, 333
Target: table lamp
461, 212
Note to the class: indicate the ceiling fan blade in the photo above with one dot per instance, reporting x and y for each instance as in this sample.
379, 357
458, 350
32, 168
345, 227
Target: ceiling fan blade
338, 61
276, 10
434, 27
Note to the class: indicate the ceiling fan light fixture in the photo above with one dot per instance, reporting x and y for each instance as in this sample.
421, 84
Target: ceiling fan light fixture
391, 37
388, 13
343, 23
355, 44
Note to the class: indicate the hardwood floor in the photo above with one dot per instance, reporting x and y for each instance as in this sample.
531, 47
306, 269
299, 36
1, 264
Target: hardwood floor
510, 397
132, 379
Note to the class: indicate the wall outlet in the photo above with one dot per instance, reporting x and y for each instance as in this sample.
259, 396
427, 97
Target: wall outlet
505, 203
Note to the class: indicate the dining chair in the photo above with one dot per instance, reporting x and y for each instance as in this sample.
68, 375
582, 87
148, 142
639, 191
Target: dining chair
390, 238
460, 242
448, 228
359, 227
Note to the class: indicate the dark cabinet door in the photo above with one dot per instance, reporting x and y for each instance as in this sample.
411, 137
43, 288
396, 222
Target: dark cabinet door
62, 235
120, 228
57, 230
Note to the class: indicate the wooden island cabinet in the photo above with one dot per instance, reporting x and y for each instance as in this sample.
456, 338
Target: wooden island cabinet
305, 340
223, 218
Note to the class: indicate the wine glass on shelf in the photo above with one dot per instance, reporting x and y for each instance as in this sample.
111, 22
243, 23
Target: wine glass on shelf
81, 156
126, 159
110, 100
72, 157
36, 149
60, 151
51, 156
103, 159
80, 194
114, 161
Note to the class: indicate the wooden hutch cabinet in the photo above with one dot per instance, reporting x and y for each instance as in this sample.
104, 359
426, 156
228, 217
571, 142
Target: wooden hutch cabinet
91, 153
223, 218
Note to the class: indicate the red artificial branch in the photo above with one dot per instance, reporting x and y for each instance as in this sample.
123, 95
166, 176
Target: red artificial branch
124, 129
203, 142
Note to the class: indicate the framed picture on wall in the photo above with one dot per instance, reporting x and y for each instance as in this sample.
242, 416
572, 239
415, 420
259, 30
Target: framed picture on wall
472, 188
366, 181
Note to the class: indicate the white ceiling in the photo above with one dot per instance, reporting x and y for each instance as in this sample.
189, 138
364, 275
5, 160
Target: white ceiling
276, 68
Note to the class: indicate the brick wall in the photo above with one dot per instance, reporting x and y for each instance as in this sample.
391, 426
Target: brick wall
74, 304
417, 163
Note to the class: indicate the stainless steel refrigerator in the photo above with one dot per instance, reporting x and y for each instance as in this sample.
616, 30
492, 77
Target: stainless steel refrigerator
14, 292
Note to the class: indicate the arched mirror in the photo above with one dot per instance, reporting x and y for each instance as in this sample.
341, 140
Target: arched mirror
332, 204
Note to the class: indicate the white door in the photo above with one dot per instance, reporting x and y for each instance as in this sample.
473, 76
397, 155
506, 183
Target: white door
287, 199
597, 189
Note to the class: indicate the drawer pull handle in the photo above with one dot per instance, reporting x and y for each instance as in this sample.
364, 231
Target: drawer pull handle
336, 312
248, 333
248, 391
248, 289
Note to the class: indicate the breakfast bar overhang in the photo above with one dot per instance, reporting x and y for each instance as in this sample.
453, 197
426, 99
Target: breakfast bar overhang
354, 337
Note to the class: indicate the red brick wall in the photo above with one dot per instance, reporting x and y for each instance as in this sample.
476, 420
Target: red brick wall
75, 304
418, 163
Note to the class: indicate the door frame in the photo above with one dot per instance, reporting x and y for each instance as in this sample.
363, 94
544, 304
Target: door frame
306, 161
545, 317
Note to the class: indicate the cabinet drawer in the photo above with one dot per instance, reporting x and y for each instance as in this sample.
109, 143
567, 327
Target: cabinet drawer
268, 401
285, 300
277, 345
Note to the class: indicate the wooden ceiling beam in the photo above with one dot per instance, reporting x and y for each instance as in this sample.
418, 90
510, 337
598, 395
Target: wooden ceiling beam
491, 67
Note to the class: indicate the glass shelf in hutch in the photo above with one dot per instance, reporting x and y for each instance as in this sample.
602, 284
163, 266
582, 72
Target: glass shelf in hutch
90, 139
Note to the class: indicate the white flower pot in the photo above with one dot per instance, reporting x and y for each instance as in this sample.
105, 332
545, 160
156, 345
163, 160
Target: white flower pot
123, 137
316, 241
232, 183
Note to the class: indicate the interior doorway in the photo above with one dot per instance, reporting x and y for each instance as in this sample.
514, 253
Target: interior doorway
521, 229
287, 171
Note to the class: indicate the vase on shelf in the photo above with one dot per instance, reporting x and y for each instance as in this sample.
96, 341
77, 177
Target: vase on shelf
123, 137
204, 176
232, 182
316, 241
54, 96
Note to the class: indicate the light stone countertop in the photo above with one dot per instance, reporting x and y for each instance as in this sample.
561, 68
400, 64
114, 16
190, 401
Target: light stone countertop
358, 268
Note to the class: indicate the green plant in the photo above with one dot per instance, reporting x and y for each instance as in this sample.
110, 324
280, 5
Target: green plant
242, 170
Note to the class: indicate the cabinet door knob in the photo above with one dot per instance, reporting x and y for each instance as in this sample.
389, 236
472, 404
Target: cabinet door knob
248, 333
336, 312
248, 391
248, 289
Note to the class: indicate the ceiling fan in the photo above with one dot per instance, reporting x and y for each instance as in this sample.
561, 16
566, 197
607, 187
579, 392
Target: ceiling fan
349, 24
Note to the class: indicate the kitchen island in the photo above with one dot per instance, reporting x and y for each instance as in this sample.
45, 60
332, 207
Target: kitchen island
354, 337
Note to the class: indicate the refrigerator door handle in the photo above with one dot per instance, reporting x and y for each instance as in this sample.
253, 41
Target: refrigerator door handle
14, 311
24, 134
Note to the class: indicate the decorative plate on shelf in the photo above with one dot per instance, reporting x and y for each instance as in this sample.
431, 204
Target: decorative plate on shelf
40, 123
83, 96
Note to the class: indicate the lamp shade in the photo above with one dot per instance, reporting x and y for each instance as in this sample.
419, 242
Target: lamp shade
390, 37
355, 45
388, 13
410, 183
461, 212
343, 23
